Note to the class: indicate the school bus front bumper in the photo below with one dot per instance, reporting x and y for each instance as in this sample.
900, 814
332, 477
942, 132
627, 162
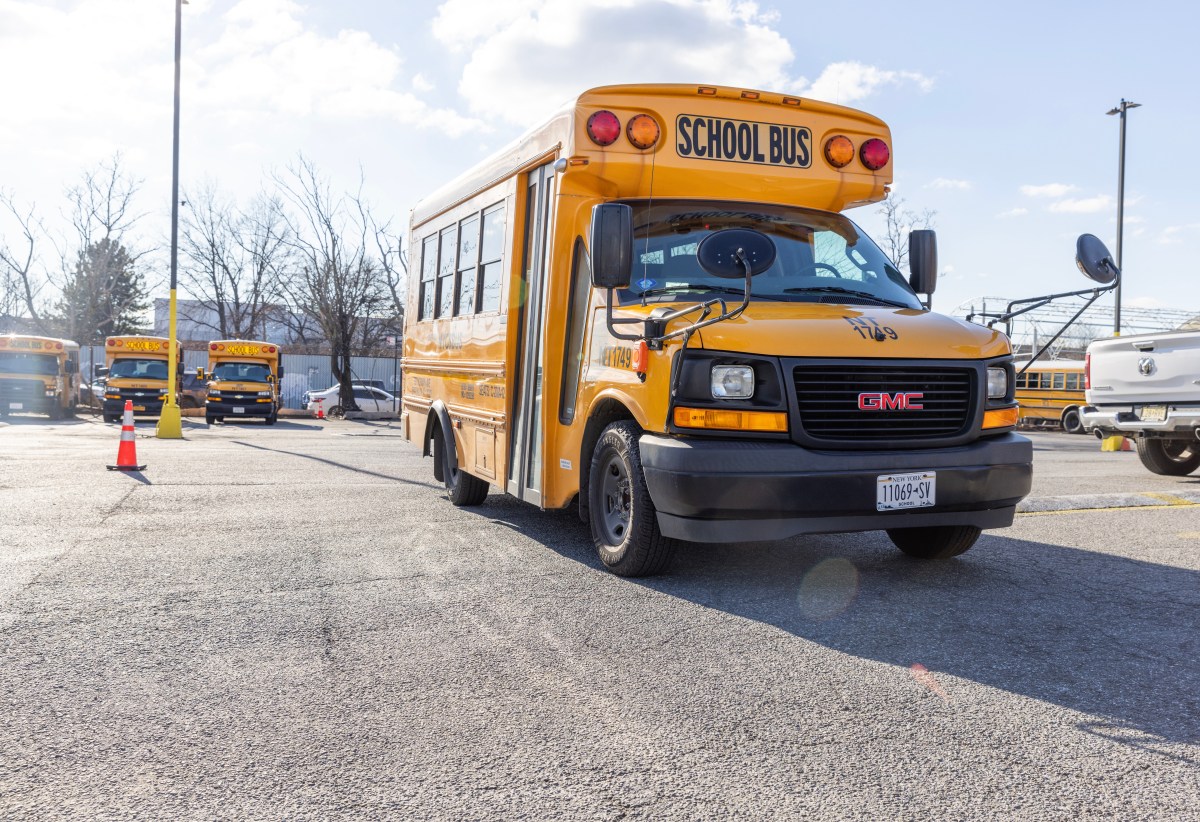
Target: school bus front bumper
745, 491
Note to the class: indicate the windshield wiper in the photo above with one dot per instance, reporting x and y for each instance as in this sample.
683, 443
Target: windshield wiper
719, 289
834, 289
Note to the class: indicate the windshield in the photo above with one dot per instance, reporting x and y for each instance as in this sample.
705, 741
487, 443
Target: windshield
18, 363
821, 256
241, 372
138, 369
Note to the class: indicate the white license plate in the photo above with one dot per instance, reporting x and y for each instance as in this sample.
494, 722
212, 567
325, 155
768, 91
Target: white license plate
16, 406
239, 410
895, 492
1152, 413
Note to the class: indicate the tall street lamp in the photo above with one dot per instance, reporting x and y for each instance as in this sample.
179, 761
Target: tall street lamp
1121, 109
170, 424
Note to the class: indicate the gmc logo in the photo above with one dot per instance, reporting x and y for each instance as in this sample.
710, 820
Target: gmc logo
903, 401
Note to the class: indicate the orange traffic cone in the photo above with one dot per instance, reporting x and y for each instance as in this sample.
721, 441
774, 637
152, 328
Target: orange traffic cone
320, 408
127, 450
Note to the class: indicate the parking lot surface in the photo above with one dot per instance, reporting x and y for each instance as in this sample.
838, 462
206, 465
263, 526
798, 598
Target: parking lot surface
293, 622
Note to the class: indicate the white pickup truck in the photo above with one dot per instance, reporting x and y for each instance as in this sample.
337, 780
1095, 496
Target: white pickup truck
1148, 387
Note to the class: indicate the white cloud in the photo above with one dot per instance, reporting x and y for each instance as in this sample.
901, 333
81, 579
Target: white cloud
1048, 190
852, 81
943, 182
528, 56
1147, 302
422, 83
1086, 205
1014, 212
1176, 233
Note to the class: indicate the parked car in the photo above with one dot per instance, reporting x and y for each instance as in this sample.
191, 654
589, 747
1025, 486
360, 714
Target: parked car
374, 402
195, 391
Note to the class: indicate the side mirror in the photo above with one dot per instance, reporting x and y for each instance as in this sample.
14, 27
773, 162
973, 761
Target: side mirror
100, 371
1094, 261
200, 374
280, 371
71, 367
922, 260
611, 244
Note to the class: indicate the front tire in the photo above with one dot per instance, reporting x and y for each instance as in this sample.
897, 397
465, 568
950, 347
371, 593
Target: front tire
209, 419
1171, 458
464, 490
622, 516
336, 411
934, 541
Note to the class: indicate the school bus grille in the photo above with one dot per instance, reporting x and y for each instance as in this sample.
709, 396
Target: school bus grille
17, 390
829, 402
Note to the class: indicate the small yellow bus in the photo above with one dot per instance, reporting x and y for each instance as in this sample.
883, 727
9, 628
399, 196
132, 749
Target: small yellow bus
1050, 392
39, 374
243, 380
136, 370
651, 308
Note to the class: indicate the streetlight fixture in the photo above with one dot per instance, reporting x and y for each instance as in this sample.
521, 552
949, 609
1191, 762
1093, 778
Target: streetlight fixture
1121, 109
170, 423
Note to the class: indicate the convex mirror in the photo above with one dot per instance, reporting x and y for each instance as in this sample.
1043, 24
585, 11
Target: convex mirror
722, 252
1093, 259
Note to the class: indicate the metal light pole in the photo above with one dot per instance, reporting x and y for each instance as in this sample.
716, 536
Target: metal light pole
170, 424
1121, 109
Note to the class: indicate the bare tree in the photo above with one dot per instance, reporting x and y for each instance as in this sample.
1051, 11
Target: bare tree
336, 281
898, 222
233, 262
22, 275
103, 286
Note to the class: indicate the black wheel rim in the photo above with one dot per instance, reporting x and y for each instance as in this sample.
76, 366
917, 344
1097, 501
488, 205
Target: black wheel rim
1177, 451
615, 500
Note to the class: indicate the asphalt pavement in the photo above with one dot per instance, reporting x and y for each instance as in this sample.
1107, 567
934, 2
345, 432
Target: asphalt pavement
292, 622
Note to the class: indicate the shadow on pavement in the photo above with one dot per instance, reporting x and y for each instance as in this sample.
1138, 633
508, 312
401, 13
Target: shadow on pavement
1091, 632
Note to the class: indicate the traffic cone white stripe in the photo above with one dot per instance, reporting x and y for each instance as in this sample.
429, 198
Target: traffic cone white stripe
127, 450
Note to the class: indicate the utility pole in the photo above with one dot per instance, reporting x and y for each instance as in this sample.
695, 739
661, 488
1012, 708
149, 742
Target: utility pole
1121, 109
170, 424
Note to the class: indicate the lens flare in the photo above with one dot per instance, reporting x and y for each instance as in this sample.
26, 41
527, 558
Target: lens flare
828, 589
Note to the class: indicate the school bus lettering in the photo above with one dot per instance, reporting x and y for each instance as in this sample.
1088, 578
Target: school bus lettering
743, 141
467, 390
869, 329
617, 356
493, 391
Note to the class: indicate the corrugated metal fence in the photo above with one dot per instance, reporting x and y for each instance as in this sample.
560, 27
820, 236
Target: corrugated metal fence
301, 372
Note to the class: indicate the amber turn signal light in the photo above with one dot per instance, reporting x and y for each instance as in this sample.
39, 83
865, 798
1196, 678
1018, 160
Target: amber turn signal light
839, 151
642, 131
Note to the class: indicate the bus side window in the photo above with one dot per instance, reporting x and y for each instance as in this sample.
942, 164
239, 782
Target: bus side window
1022, 380
1058, 381
1072, 382
445, 277
491, 252
428, 276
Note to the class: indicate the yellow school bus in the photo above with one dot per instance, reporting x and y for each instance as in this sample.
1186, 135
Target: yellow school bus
39, 374
136, 369
652, 308
243, 380
1050, 392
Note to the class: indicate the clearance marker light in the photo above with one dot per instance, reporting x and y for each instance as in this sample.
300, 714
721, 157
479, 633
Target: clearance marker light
604, 128
641, 357
874, 154
839, 151
706, 90
642, 131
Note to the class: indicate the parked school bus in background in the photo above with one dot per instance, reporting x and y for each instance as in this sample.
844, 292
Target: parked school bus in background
136, 370
38, 374
577, 335
1050, 392
243, 380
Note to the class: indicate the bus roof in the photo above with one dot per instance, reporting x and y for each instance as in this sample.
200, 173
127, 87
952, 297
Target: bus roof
31, 342
754, 132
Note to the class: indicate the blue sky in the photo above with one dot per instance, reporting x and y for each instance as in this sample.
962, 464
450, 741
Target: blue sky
997, 112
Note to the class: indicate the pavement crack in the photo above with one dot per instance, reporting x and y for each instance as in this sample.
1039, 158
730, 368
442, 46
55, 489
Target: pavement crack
117, 506
336, 584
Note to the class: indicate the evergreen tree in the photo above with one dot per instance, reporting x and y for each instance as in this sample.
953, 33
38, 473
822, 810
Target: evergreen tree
104, 294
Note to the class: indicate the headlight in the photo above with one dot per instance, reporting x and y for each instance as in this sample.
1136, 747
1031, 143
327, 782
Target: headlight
735, 382
50, 392
997, 383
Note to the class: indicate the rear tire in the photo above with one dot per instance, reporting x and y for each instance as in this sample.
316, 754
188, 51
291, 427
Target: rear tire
272, 418
1171, 458
934, 541
336, 411
624, 522
464, 490
1071, 422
